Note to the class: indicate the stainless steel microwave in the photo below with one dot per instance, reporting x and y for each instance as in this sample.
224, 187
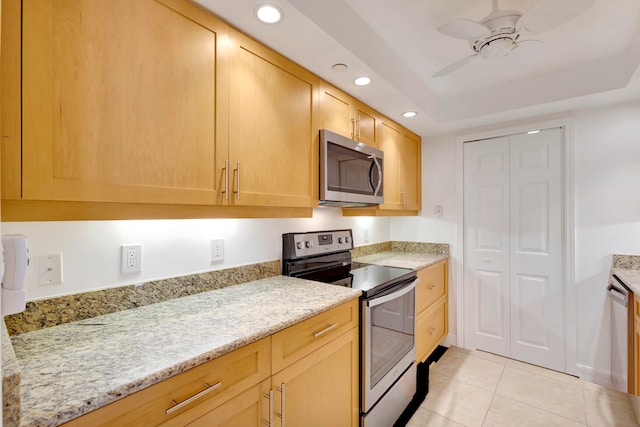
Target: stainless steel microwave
351, 173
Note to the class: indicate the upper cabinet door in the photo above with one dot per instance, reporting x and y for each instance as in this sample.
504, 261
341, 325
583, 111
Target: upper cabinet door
390, 144
402, 170
123, 101
410, 169
366, 124
344, 115
273, 151
335, 111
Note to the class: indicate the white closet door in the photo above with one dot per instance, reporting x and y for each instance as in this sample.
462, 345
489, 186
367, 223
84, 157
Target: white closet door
537, 303
513, 219
486, 220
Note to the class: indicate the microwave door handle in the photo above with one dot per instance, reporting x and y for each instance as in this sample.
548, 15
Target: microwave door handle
375, 189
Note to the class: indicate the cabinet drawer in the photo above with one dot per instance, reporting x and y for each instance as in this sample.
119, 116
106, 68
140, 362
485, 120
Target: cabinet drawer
431, 328
249, 408
432, 285
234, 372
297, 341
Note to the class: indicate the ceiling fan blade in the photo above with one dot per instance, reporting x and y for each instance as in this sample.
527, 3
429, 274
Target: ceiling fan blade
454, 66
547, 14
464, 29
525, 53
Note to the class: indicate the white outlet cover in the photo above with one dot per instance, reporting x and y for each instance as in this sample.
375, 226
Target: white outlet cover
131, 258
217, 250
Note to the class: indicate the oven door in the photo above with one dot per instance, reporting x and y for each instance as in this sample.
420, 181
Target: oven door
388, 340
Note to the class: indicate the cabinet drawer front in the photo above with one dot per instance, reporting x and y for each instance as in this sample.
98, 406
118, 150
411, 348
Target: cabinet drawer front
432, 285
431, 328
297, 341
250, 408
235, 372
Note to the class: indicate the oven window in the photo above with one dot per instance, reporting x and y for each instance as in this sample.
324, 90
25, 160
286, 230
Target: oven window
392, 334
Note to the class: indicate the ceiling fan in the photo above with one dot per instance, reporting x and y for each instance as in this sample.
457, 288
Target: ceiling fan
498, 34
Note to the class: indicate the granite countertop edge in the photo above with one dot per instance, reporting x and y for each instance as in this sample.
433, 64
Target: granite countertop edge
401, 259
629, 277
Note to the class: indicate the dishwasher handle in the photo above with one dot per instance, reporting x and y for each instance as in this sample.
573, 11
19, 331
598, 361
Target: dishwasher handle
618, 294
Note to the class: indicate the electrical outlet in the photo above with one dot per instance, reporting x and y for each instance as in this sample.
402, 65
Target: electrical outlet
365, 235
217, 250
49, 269
131, 258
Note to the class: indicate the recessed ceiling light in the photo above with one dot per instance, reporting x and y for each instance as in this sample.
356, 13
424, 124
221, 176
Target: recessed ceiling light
362, 81
409, 114
269, 13
339, 67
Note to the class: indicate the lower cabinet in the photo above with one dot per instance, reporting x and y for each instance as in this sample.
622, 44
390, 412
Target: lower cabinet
321, 389
431, 309
305, 375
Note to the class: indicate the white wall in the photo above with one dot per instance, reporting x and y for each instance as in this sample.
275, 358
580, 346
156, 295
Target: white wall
438, 188
607, 209
607, 201
91, 249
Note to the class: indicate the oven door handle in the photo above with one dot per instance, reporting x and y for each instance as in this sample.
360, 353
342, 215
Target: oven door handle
389, 297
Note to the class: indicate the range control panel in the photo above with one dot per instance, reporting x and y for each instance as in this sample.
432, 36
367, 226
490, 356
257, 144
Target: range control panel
301, 245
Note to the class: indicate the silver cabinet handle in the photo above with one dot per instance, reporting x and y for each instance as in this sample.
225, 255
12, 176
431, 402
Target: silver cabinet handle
432, 287
433, 331
207, 389
270, 397
353, 127
237, 192
282, 404
226, 179
325, 330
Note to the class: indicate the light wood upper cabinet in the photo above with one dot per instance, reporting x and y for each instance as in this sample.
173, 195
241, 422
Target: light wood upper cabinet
273, 152
402, 188
123, 101
402, 168
347, 116
409, 169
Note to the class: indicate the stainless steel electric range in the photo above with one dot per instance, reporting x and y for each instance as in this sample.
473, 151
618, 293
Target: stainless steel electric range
387, 341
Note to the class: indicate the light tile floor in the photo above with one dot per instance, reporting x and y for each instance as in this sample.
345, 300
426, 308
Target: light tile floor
477, 389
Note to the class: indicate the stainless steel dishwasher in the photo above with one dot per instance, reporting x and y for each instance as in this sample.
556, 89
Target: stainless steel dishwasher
621, 339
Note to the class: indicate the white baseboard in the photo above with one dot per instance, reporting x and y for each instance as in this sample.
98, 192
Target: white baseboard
449, 340
596, 376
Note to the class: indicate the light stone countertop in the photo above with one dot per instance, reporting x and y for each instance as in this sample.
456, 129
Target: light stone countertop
631, 278
72, 369
412, 260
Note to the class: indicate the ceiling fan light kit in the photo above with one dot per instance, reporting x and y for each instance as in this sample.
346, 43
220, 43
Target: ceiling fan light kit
498, 34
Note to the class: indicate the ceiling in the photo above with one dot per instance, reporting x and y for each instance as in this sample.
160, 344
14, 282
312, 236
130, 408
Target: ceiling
591, 60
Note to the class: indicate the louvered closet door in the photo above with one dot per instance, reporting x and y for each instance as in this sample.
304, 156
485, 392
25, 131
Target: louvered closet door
514, 297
